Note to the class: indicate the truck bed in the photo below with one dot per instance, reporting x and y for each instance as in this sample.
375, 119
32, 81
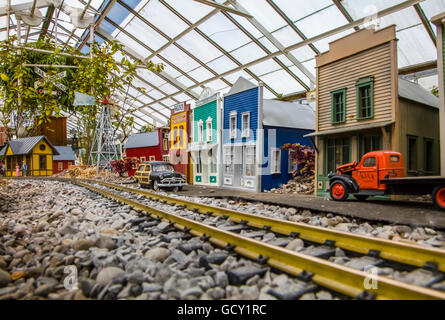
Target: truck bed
413, 185
415, 180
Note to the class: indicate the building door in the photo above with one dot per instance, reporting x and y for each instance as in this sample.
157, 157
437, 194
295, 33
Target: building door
239, 165
204, 159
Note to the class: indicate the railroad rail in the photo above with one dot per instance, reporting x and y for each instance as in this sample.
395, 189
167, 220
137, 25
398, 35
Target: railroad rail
327, 274
339, 278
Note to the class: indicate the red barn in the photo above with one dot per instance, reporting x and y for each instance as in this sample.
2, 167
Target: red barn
151, 146
65, 158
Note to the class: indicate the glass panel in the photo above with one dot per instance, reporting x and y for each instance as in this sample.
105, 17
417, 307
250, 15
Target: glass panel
224, 32
192, 10
415, 46
199, 47
163, 18
222, 64
263, 13
181, 60
282, 82
146, 34
248, 53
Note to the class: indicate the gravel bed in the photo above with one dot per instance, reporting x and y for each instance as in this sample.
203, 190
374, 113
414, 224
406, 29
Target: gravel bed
60, 241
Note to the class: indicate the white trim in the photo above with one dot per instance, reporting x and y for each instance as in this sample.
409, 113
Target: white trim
209, 133
200, 131
291, 167
233, 114
245, 132
275, 164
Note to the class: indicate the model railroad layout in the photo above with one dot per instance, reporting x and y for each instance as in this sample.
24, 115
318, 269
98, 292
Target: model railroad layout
311, 265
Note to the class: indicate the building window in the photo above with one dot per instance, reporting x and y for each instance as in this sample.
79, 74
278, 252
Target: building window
59, 166
250, 161
70, 163
338, 106
152, 158
200, 131
338, 153
292, 167
165, 144
428, 154
181, 137
175, 136
42, 162
275, 160
233, 117
365, 98
412, 153
209, 130
166, 158
143, 159
369, 143
228, 160
245, 125
199, 164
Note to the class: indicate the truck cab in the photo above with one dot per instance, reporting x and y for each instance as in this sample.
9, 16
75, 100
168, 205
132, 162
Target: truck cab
363, 179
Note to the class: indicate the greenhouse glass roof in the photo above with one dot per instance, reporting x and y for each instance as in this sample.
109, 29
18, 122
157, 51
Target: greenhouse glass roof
205, 43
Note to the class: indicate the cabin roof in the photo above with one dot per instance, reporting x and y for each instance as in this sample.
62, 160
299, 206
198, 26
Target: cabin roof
65, 154
141, 140
24, 146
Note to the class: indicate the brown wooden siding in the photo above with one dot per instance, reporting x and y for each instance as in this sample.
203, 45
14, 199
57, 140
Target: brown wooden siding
376, 62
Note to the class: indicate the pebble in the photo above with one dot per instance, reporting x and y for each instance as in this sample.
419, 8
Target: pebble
82, 244
157, 254
295, 244
5, 278
109, 275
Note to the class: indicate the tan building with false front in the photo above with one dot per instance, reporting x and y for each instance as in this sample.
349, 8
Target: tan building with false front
363, 105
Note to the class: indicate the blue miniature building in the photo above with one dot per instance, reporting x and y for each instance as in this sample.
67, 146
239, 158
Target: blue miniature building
254, 130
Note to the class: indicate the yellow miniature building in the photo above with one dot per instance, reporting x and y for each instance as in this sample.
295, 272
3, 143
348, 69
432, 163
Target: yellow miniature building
36, 152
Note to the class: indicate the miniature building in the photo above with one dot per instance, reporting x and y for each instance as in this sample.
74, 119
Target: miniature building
206, 136
65, 159
439, 21
179, 140
54, 130
363, 106
256, 128
36, 152
150, 146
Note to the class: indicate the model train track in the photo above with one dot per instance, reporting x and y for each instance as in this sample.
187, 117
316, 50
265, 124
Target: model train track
410, 254
327, 274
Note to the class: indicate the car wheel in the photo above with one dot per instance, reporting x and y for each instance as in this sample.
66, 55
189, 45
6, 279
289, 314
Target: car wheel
338, 191
175, 189
439, 197
180, 188
361, 197
156, 185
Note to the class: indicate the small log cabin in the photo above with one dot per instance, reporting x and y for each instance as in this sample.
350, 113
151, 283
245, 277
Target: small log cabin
65, 159
36, 152
363, 105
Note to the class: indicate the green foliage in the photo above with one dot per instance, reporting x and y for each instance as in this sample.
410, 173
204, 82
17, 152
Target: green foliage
147, 128
435, 91
101, 76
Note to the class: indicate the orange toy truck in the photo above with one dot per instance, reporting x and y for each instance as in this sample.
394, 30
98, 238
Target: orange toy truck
381, 173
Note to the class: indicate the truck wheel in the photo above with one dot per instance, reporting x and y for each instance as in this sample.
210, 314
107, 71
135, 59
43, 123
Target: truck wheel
439, 197
156, 186
338, 191
361, 197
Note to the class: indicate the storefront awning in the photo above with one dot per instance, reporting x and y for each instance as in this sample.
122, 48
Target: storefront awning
351, 129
